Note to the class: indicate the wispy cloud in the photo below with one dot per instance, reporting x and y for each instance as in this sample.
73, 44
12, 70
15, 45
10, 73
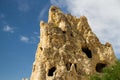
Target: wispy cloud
42, 12
2, 16
60, 3
36, 35
34, 38
103, 17
23, 5
24, 39
8, 28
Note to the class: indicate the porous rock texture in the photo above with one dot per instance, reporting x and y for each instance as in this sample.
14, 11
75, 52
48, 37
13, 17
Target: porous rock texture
68, 49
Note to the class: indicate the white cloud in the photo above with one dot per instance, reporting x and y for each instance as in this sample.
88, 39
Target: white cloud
8, 28
103, 17
24, 39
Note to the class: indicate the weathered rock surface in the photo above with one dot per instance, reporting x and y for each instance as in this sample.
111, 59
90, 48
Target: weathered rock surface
68, 49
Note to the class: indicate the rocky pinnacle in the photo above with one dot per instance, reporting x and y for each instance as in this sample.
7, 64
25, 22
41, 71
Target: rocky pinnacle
68, 49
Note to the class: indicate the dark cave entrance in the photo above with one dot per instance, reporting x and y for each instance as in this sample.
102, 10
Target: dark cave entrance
51, 71
100, 66
87, 52
68, 66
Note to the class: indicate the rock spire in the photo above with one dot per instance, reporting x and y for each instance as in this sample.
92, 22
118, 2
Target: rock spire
68, 49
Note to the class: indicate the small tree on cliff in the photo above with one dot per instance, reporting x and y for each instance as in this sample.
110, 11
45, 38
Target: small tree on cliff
111, 73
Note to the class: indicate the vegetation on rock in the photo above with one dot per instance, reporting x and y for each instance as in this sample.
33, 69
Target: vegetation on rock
109, 73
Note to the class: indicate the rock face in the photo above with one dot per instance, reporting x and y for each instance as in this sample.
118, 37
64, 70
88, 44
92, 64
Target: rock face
68, 49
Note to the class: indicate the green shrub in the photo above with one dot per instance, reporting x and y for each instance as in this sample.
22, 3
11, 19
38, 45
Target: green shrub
111, 73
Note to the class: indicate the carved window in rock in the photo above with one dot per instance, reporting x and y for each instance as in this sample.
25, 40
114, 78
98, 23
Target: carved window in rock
68, 66
100, 66
51, 71
87, 52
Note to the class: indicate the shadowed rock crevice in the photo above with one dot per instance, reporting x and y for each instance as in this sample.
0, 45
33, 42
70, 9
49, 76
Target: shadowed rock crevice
87, 52
64, 32
68, 66
51, 71
41, 48
75, 67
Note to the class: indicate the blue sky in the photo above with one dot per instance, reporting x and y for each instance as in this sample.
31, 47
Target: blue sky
19, 29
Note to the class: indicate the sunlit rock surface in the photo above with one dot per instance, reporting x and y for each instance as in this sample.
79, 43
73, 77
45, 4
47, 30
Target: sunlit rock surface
68, 49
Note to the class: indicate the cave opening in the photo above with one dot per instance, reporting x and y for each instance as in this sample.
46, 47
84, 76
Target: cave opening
87, 52
68, 66
51, 71
100, 66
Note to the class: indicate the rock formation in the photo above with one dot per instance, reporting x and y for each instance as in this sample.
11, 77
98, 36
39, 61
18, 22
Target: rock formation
68, 49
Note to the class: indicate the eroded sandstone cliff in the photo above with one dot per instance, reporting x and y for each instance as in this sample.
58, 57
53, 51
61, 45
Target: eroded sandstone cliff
68, 49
